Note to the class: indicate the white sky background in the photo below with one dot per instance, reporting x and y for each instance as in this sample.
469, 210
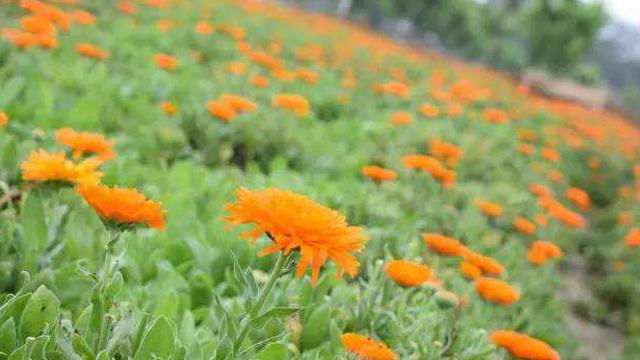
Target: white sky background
627, 11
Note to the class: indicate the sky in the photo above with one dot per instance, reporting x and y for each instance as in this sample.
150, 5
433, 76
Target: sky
625, 10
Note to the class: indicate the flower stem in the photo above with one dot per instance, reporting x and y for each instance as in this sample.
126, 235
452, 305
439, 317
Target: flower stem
262, 298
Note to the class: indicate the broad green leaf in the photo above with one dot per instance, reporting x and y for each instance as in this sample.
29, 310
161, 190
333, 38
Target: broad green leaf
34, 229
315, 329
8, 337
11, 90
158, 342
15, 308
274, 351
42, 310
81, 347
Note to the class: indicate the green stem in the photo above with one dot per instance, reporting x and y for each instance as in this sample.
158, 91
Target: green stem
103, 284
264, 295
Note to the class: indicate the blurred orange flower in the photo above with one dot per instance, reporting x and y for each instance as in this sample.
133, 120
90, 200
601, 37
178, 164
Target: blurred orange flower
496, 291
86, 142
408, 273
165, 61
444, 245
523, 346
294, 102
379, 174
366, 348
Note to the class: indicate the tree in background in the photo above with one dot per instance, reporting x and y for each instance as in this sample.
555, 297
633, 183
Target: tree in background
561, 31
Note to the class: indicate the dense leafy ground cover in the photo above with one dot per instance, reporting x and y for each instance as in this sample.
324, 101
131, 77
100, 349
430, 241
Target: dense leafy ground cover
482, 186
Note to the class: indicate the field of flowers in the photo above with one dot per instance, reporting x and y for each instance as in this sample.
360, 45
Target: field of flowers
241, 180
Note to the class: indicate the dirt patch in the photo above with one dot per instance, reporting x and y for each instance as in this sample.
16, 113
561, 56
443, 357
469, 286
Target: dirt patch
597, 342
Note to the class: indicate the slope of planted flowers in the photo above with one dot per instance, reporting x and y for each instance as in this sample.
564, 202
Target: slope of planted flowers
241, 180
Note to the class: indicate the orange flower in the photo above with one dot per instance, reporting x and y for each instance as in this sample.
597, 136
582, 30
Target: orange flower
555, 176
379, 174
578, 197
86, 142
633, 237
540, 190
623, 218
42, 166
126, 7
294, 222
165, 61
221, 110
454, 110
496, 291
484, 263
429, 111
91, 51
541, 251
550, 154
470, 271
294, 102
408, 273
37, 25
396, 88
4, 119
82, 17
307, 75
236, 68
447, 152
444, 244
523, 346
400, 118
366, 348
419, 162
168, 107
259, 81
561, 213
496, 116
488, 208
524, 226
526, 149
203, 28
126, 206
239, 103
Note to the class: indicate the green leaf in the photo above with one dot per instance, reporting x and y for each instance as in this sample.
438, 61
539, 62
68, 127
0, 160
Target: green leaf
34, 228
274, 351
11, 89
15, 308
8, 337
103, 355
42, 310
81, 347
315, 329
274, 313
158, 342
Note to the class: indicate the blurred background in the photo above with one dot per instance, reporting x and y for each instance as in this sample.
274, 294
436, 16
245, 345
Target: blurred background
582, 50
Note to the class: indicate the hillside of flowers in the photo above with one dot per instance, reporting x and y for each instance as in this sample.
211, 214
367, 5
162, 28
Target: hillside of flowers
235, 179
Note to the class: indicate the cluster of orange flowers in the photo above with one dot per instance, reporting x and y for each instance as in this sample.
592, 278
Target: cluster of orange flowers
432, 166
227, 107
126, 206
293, 102
541, 251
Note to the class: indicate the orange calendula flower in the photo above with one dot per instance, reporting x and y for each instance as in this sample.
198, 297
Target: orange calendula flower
470, 271
526, 149
400, 118
496, 116
42, 166
239, 103
447, 152
408, 273
221, 110
484, 263
236, 68
429, 111
82, 17
203, 28
86, 142
91, 51
550, 154
455, 110
294, 102
294, 222
168, 107
366, 348
523, 346
308, 76
126, 7
259, 81
578, 197
633, 238
165, 61
540, 190
541, 251
125, 206
488, 208
4, 119
524, 226
444, 244
623, 218
496, 291
419, 162
379, 174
